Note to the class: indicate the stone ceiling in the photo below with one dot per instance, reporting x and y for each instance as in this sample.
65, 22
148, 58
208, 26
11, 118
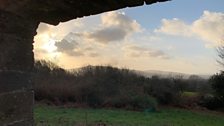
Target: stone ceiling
55, 11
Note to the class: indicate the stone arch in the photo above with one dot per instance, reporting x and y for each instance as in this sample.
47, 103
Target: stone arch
18, 22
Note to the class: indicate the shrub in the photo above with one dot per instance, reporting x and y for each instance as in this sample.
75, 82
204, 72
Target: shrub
164, 90
137, 102
211, 102
217, 83
143, 102
215, 101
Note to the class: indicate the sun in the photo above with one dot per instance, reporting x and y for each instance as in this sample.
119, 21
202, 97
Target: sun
44, 47
49, 46
45, 42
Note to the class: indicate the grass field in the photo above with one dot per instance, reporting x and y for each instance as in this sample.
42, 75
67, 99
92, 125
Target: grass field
189, 94
55, 116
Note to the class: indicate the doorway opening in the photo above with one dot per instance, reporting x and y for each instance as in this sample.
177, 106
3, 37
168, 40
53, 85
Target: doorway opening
120, 60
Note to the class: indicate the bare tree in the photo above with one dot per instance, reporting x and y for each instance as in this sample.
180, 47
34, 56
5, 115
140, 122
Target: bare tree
220, 51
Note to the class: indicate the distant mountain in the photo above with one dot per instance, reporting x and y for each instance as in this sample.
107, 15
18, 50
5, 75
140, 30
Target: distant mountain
163, 74
167, 74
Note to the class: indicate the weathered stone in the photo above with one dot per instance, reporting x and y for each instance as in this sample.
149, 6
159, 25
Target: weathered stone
16, 61
13, 80
16, 53
55, 11
16, 40
13, 24
22, 123
16, 107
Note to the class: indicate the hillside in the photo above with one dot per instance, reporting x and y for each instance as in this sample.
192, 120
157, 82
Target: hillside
167, 74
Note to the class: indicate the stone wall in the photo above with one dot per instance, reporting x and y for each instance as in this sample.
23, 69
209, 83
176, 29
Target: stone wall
16, 63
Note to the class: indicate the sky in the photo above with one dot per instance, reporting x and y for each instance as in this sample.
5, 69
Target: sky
178, 36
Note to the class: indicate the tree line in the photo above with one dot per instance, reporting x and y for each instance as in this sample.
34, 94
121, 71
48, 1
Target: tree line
107, 86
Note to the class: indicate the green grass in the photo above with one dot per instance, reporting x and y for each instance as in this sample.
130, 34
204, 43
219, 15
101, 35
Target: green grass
189, 94
55, 116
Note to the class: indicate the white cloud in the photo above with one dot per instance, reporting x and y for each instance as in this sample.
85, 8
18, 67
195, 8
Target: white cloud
66, 46
42, 28
48, 35
174, 27
209, 27
76, 52
107, 35
115, 26
118, 19
135, 51
93, 54
73, 48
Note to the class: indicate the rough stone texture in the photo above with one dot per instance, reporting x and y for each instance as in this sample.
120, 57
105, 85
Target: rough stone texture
55, 11
18, 22
16, 40
16, 63
16, 107
22, 123
12, 80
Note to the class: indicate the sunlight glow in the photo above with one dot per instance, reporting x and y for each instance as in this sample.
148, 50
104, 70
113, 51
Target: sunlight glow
50, 46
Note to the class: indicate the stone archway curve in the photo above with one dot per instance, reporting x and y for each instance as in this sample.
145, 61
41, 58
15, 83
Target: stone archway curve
18, 22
